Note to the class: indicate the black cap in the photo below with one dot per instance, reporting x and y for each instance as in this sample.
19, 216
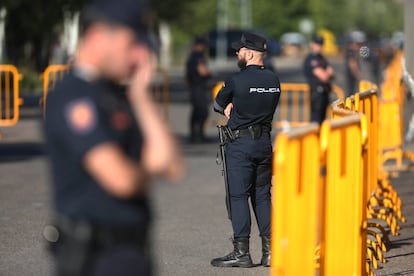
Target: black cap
128, 13
317, 39
200, 40
251, 41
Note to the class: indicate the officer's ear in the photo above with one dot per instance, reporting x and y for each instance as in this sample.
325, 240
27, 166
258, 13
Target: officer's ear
249, 54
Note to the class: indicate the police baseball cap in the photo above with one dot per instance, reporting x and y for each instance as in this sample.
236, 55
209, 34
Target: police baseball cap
318, 39
251, 41
128, 13
200, 40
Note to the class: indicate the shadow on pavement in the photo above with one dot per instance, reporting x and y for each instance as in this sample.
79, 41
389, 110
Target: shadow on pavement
407, 272
200, 149
10, 152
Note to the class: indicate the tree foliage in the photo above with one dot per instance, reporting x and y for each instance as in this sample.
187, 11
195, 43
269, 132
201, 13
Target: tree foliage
34, 25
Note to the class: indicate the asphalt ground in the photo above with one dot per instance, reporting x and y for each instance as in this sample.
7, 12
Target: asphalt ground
190, 224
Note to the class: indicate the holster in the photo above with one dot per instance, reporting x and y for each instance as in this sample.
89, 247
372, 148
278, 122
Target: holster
72, 248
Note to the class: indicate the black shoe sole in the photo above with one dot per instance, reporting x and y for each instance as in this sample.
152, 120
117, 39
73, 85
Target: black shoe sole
233, 265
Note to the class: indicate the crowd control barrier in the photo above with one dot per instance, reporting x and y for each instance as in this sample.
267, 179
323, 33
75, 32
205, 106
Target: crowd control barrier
391, 123
51, 75
161, 90
329, 178
296, 165
343, 235
10, 100
55, 73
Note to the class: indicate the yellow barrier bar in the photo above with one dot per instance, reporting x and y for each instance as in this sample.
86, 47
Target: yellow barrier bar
343, 244
10, 107
296, 190
55, 73
50, 76
162, 92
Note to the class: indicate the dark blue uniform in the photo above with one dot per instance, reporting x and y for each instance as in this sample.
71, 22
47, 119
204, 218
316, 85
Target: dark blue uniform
319, 90
255, 94
352, 80
199, 96
80, 115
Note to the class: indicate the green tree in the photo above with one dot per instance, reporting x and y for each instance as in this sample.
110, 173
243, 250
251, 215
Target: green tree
34, 25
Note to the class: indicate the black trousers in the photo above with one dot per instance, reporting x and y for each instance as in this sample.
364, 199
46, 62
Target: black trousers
319, 105
199, 113
249, 168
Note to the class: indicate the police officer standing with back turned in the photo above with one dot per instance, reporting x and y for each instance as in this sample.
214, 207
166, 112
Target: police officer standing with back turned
197, 76
319, 75
249, 99
105, 142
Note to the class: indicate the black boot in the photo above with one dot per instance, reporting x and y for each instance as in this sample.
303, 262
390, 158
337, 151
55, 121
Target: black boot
265, 251
240, 257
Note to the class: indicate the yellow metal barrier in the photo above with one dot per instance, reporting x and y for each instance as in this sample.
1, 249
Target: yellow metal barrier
10, 100
296, 195
391, 122
352, 189
343, 243
161, 90
294, 105
51, 75
54, 73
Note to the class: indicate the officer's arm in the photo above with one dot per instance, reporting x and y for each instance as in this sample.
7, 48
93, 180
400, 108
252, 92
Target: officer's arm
203, 70
322, 74
114, 171
224, 97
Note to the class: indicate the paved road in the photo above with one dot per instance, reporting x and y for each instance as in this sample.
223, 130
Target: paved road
190, 225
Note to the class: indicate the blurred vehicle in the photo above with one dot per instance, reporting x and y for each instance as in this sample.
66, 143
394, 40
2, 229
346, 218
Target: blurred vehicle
293, 44
232, 35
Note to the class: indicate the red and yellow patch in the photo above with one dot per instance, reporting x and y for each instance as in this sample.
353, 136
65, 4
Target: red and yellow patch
120, 121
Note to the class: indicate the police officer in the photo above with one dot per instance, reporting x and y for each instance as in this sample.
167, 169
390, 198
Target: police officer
197, 76
249, 99
353, 64
105, 142
319, 75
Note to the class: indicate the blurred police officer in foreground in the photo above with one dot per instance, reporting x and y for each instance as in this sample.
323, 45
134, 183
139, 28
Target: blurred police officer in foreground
105, 143
319, 75
249, 99
197, 77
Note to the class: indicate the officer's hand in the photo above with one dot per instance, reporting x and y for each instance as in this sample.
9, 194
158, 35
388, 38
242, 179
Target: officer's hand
144, 69
331, 73
227, 110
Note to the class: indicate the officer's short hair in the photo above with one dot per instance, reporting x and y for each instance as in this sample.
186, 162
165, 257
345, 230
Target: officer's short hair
129, 13
89, 17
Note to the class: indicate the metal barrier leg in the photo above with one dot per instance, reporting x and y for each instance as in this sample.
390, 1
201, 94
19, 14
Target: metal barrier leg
378, 238
372, 258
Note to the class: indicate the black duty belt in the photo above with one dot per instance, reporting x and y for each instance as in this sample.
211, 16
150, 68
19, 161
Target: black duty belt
101, 235
254, 132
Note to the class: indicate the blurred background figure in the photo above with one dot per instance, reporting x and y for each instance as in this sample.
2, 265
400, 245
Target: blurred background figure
105, 144
268, 63
353, 61
319, 75
198, 75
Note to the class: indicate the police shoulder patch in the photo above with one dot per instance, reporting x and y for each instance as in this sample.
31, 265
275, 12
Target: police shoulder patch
81, 115
314, 63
